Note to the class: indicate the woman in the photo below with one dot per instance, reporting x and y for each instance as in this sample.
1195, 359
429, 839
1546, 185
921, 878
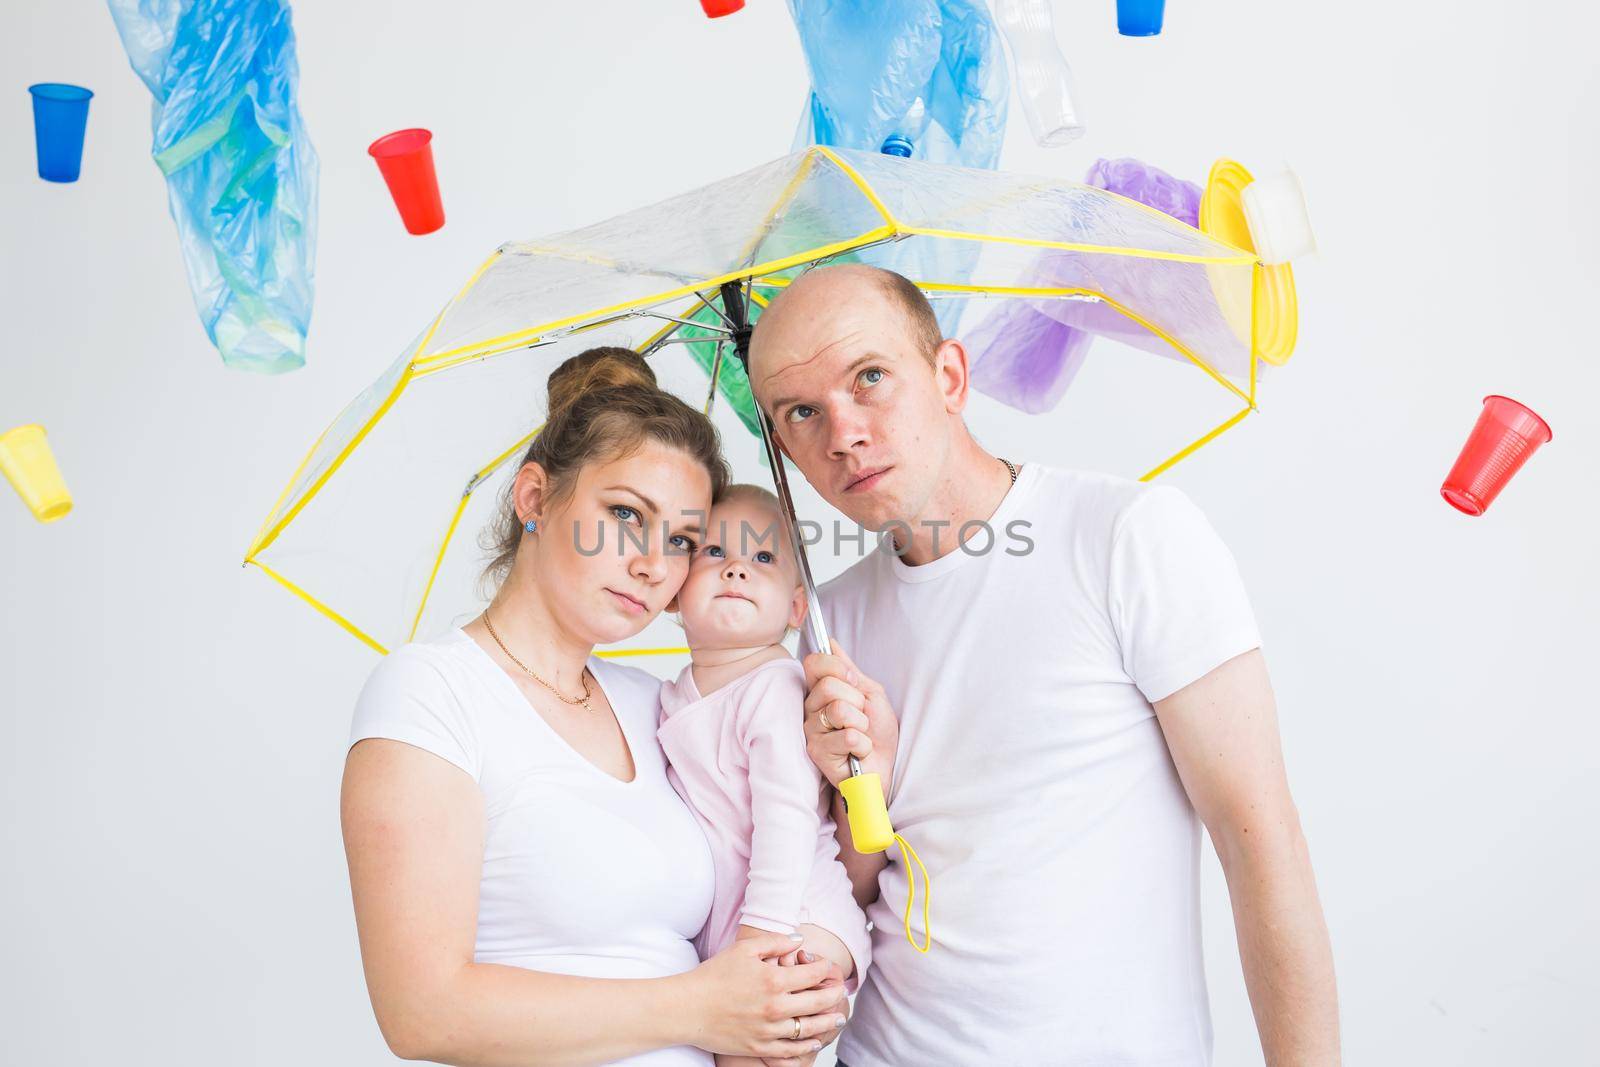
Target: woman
526, 881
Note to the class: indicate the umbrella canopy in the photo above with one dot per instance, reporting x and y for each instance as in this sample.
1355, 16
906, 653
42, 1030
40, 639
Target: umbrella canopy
377, 529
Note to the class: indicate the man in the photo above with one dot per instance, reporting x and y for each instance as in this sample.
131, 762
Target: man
1049, 704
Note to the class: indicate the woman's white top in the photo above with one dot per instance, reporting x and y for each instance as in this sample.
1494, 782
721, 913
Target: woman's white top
583, 874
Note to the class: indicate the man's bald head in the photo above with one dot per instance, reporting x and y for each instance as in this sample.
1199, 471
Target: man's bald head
864, 394
812, 293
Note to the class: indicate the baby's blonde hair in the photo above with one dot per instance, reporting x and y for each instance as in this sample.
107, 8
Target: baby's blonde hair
749, 491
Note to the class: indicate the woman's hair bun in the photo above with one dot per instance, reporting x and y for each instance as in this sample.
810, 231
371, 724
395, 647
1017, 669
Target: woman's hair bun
607, 367
603, 404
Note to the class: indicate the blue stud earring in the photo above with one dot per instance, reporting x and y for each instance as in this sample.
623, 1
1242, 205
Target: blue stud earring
531, 526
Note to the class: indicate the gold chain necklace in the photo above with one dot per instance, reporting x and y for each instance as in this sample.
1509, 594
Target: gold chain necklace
584, 700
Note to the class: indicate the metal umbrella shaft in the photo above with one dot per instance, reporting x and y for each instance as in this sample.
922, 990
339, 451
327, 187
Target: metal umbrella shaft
733, 305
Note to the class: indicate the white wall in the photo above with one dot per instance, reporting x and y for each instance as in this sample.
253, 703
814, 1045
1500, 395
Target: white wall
174, 888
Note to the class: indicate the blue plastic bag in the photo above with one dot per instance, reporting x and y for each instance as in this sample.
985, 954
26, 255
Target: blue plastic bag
931, 72
241, 172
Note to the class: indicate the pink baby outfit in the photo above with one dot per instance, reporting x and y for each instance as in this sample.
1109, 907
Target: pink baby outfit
738, 758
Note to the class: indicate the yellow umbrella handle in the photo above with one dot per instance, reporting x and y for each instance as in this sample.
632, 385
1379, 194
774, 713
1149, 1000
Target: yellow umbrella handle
869, 816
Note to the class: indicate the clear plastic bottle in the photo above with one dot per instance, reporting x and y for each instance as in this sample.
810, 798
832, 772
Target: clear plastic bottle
1044, 81
908, 131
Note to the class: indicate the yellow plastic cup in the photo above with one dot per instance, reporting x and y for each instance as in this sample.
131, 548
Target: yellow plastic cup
31, 469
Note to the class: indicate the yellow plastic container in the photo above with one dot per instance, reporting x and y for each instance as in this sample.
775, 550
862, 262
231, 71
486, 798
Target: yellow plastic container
31, 469
1271, 318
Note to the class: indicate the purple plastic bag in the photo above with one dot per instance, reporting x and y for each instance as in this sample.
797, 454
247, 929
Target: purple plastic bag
1027, 359
1027, 352
1149, 185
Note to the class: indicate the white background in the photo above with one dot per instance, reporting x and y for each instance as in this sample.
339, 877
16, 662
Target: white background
172, 726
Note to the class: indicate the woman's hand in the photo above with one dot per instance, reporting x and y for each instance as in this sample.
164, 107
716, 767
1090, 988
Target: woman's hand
746, 1005
835, 978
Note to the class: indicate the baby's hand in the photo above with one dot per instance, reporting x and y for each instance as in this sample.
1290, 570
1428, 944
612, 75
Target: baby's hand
791, 959
745, 933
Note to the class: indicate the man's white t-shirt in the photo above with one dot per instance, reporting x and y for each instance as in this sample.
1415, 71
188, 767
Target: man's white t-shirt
1033, 779
582, 873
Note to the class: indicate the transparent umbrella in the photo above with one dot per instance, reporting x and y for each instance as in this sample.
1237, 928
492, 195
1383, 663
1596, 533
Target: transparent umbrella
376, 528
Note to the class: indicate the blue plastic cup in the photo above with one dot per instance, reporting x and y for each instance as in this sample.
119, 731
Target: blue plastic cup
60, 112
1139, 18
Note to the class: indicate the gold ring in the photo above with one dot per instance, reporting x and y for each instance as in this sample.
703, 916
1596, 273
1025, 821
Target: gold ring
822, 717
796, 1036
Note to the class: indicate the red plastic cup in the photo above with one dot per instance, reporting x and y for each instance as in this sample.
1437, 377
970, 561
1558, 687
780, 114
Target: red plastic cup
1507, 433
406, 159
715, 9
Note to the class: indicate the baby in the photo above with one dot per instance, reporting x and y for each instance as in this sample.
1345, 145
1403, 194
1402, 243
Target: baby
731, 726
